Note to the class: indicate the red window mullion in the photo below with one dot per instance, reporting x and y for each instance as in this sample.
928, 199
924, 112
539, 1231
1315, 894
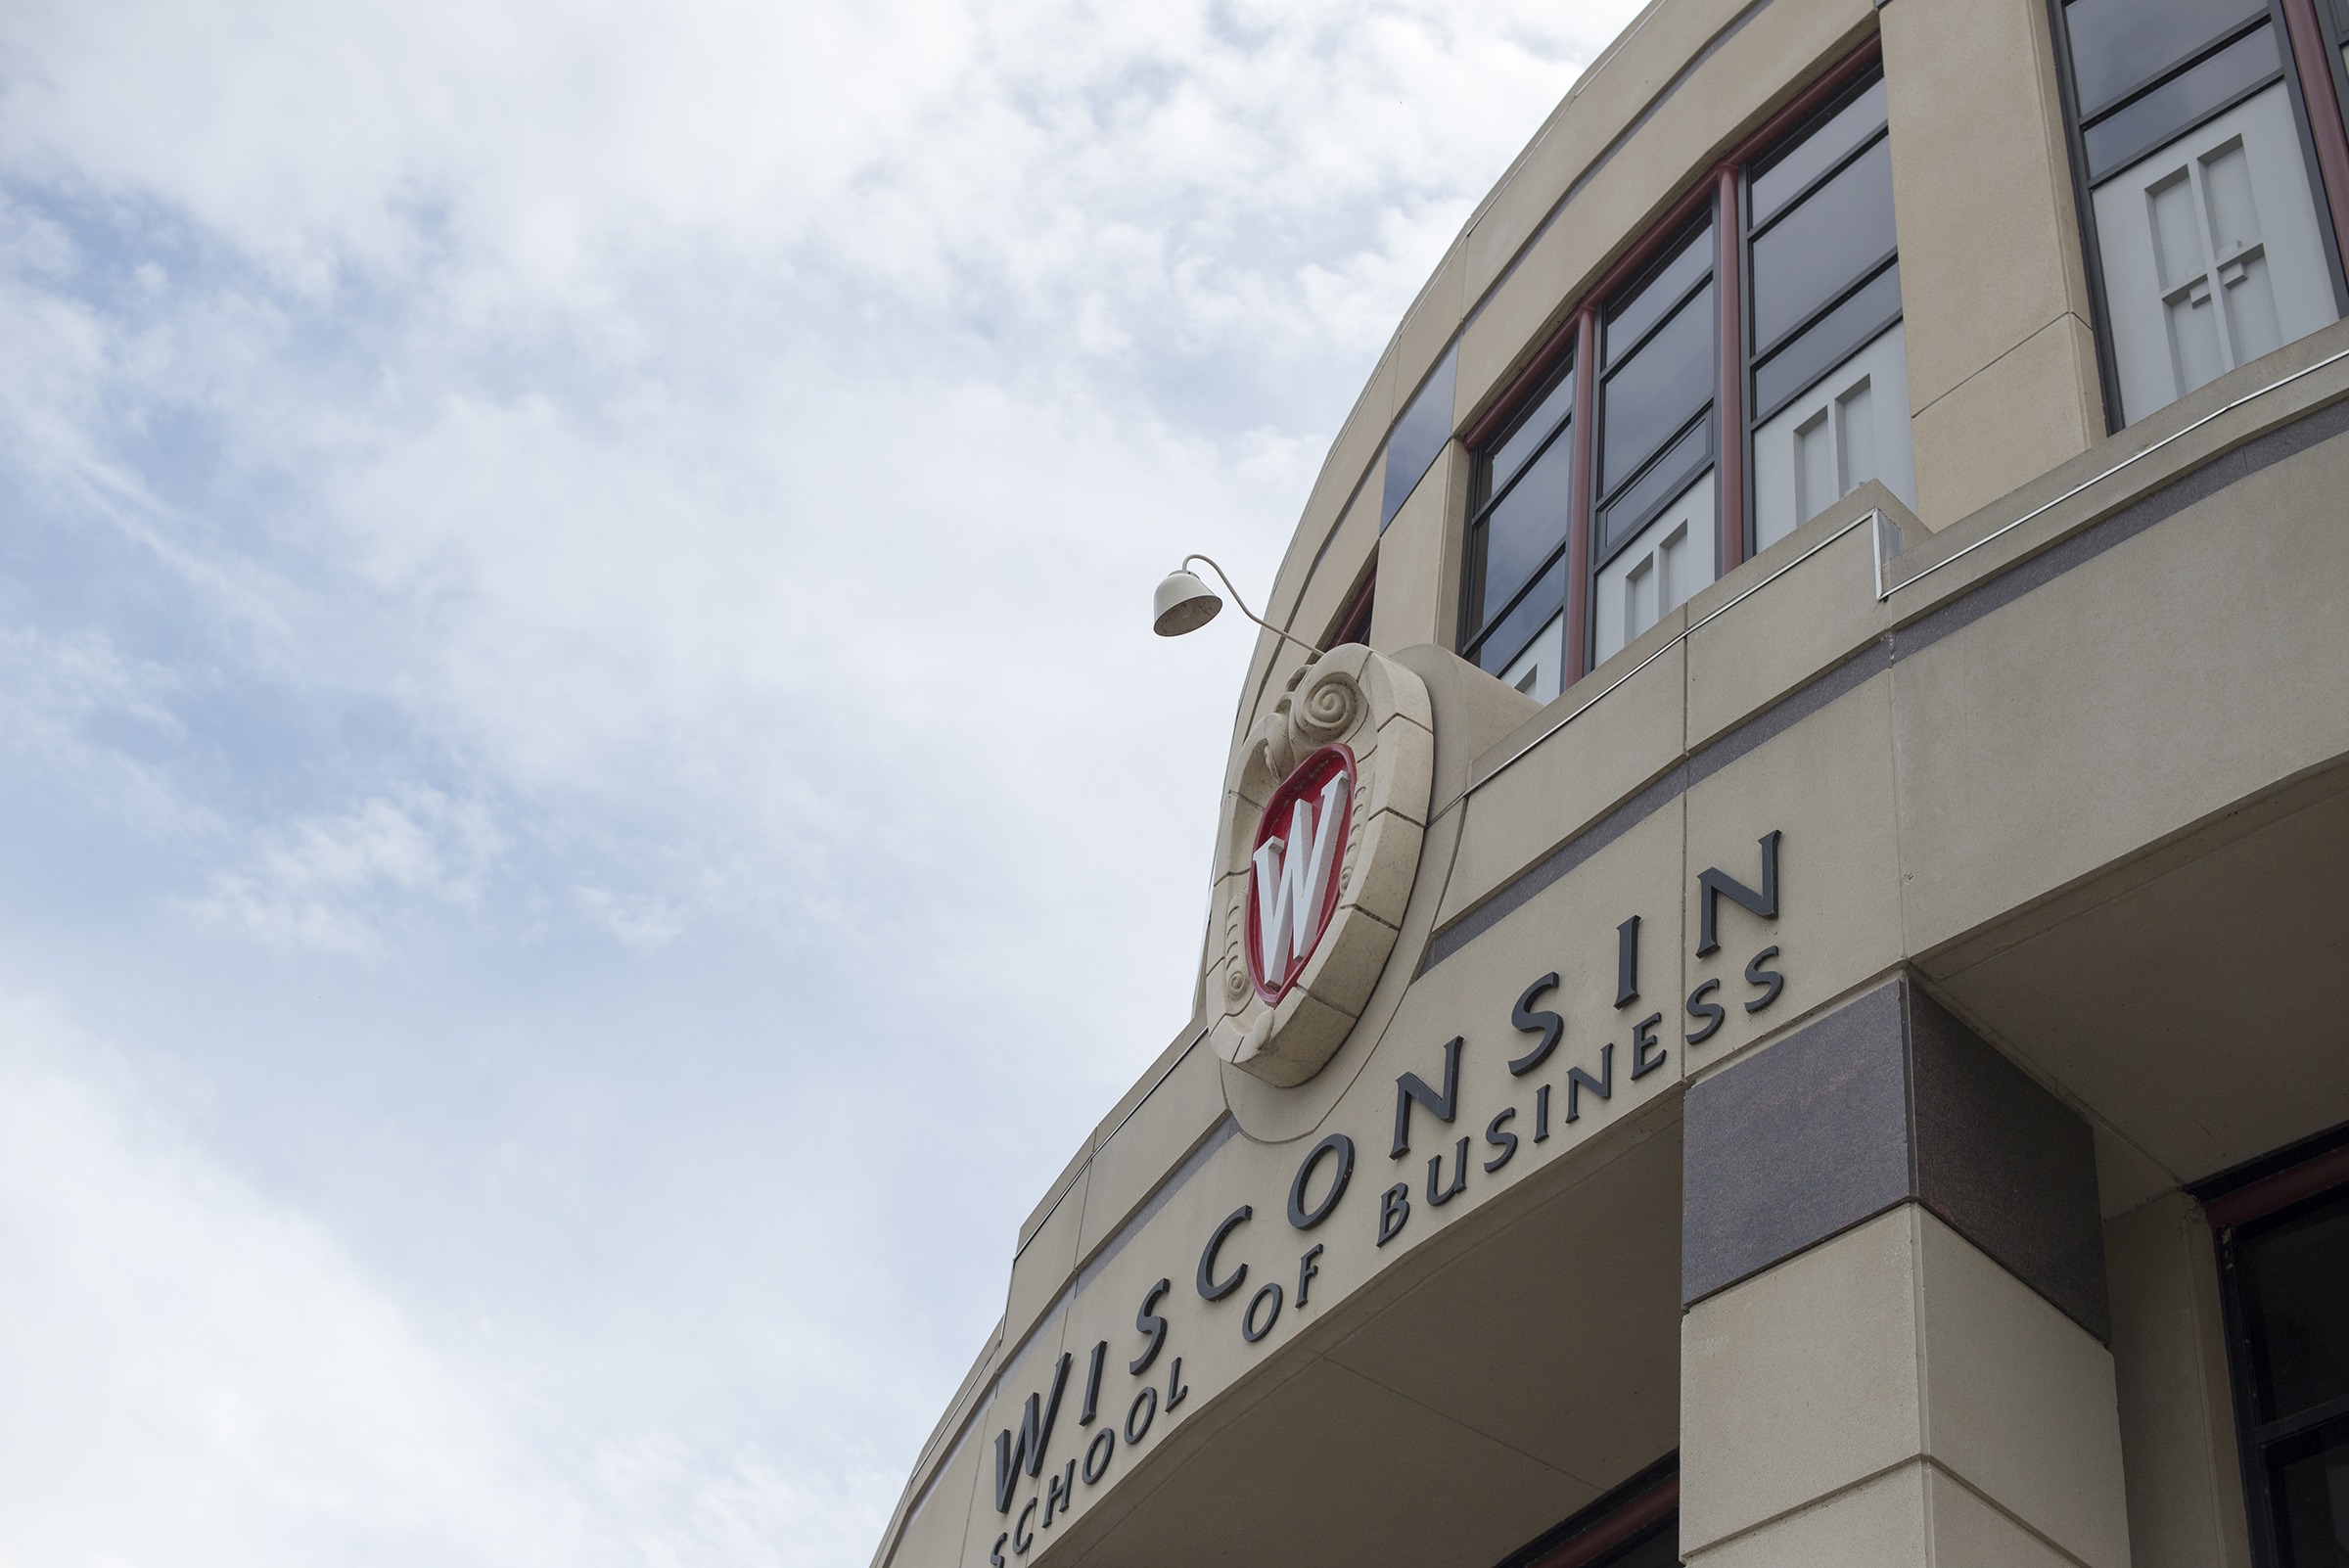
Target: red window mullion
1578, 525
2312, 59
1728, 289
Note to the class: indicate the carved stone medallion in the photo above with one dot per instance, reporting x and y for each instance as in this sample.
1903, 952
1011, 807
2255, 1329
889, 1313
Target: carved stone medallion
1321, 843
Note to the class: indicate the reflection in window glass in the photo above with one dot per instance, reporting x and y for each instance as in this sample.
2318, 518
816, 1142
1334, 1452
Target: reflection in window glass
1630, 317
1505, 456
1794, 168
1505, 640
2121, 44
1829, 401
2212, 253
1826, 342
1836, 236
1419, 437
1652, 395
1526, 526
1525, 500
1662, 480
2183, 101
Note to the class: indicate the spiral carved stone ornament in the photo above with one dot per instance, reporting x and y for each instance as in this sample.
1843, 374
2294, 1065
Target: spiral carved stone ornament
1333, 705
1379, 711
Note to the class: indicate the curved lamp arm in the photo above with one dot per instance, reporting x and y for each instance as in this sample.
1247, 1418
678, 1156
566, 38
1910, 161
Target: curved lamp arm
1241, 605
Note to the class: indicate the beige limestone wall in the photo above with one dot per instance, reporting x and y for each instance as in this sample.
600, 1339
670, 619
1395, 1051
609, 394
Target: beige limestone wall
2002, 375
2186, 1497
1894, 1396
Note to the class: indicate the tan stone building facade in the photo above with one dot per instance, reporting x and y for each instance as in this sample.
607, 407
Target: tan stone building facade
1775, 994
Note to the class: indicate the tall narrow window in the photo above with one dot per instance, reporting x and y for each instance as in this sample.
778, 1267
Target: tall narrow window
1657, 537
2287, 1273
1829, 391
1515, 611
2208, 233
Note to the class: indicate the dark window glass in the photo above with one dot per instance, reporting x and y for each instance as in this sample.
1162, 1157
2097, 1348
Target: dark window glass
1792, 169
2183, 101
2296, 1309
1418, 436
1506, 641
1665, 479
1508, 454
1630, 317
1835, 236
1659, 1550
1827, 343
2121, 44
1529, 524
1654, 392
2288, 1280
2312, 1503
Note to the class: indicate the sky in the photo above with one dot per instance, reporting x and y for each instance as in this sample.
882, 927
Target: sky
590, 811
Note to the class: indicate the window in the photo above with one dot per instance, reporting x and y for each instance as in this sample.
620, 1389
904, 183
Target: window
2210, 239
1658, 534
2283, 1254
1830, 389
1612, 481
1516, 609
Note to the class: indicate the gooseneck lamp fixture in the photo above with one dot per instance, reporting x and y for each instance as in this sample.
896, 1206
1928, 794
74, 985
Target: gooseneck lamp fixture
1185, 603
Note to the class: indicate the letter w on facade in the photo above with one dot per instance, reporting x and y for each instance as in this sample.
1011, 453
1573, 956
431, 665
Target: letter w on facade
1035, 1430
1289, 886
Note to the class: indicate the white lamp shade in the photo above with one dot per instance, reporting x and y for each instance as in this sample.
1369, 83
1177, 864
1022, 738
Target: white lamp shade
1182, 604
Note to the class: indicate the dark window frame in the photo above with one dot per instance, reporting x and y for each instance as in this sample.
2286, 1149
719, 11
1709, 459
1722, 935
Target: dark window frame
2318, 90
1629, 1516
1354, 622
1477, 627
1757, 354
1606, 489
1717, 197
2240, 1204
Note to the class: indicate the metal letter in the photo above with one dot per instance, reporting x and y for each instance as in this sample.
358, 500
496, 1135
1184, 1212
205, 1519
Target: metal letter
1300, 1216
1578, 1080
1150, 1323
1713, 882
1549, 1026
1643, 1044
1756, 975
1210, 1290
1709, 1011
1392, 1210
1410, 1087
1500, 1138
1248, 1330
1459, 1177
1627, 963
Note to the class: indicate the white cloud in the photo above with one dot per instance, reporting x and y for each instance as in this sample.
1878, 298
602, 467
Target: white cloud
331, 882
198, 1375
635, 522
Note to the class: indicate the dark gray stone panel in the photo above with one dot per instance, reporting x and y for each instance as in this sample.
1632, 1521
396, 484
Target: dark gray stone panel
2008, 1166
1889, 1100
1788, 1147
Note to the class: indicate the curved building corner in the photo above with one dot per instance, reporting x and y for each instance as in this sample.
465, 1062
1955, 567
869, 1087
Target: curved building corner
1772, 993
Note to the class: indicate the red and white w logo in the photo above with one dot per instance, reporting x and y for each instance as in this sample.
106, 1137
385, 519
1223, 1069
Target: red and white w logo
1294, 891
